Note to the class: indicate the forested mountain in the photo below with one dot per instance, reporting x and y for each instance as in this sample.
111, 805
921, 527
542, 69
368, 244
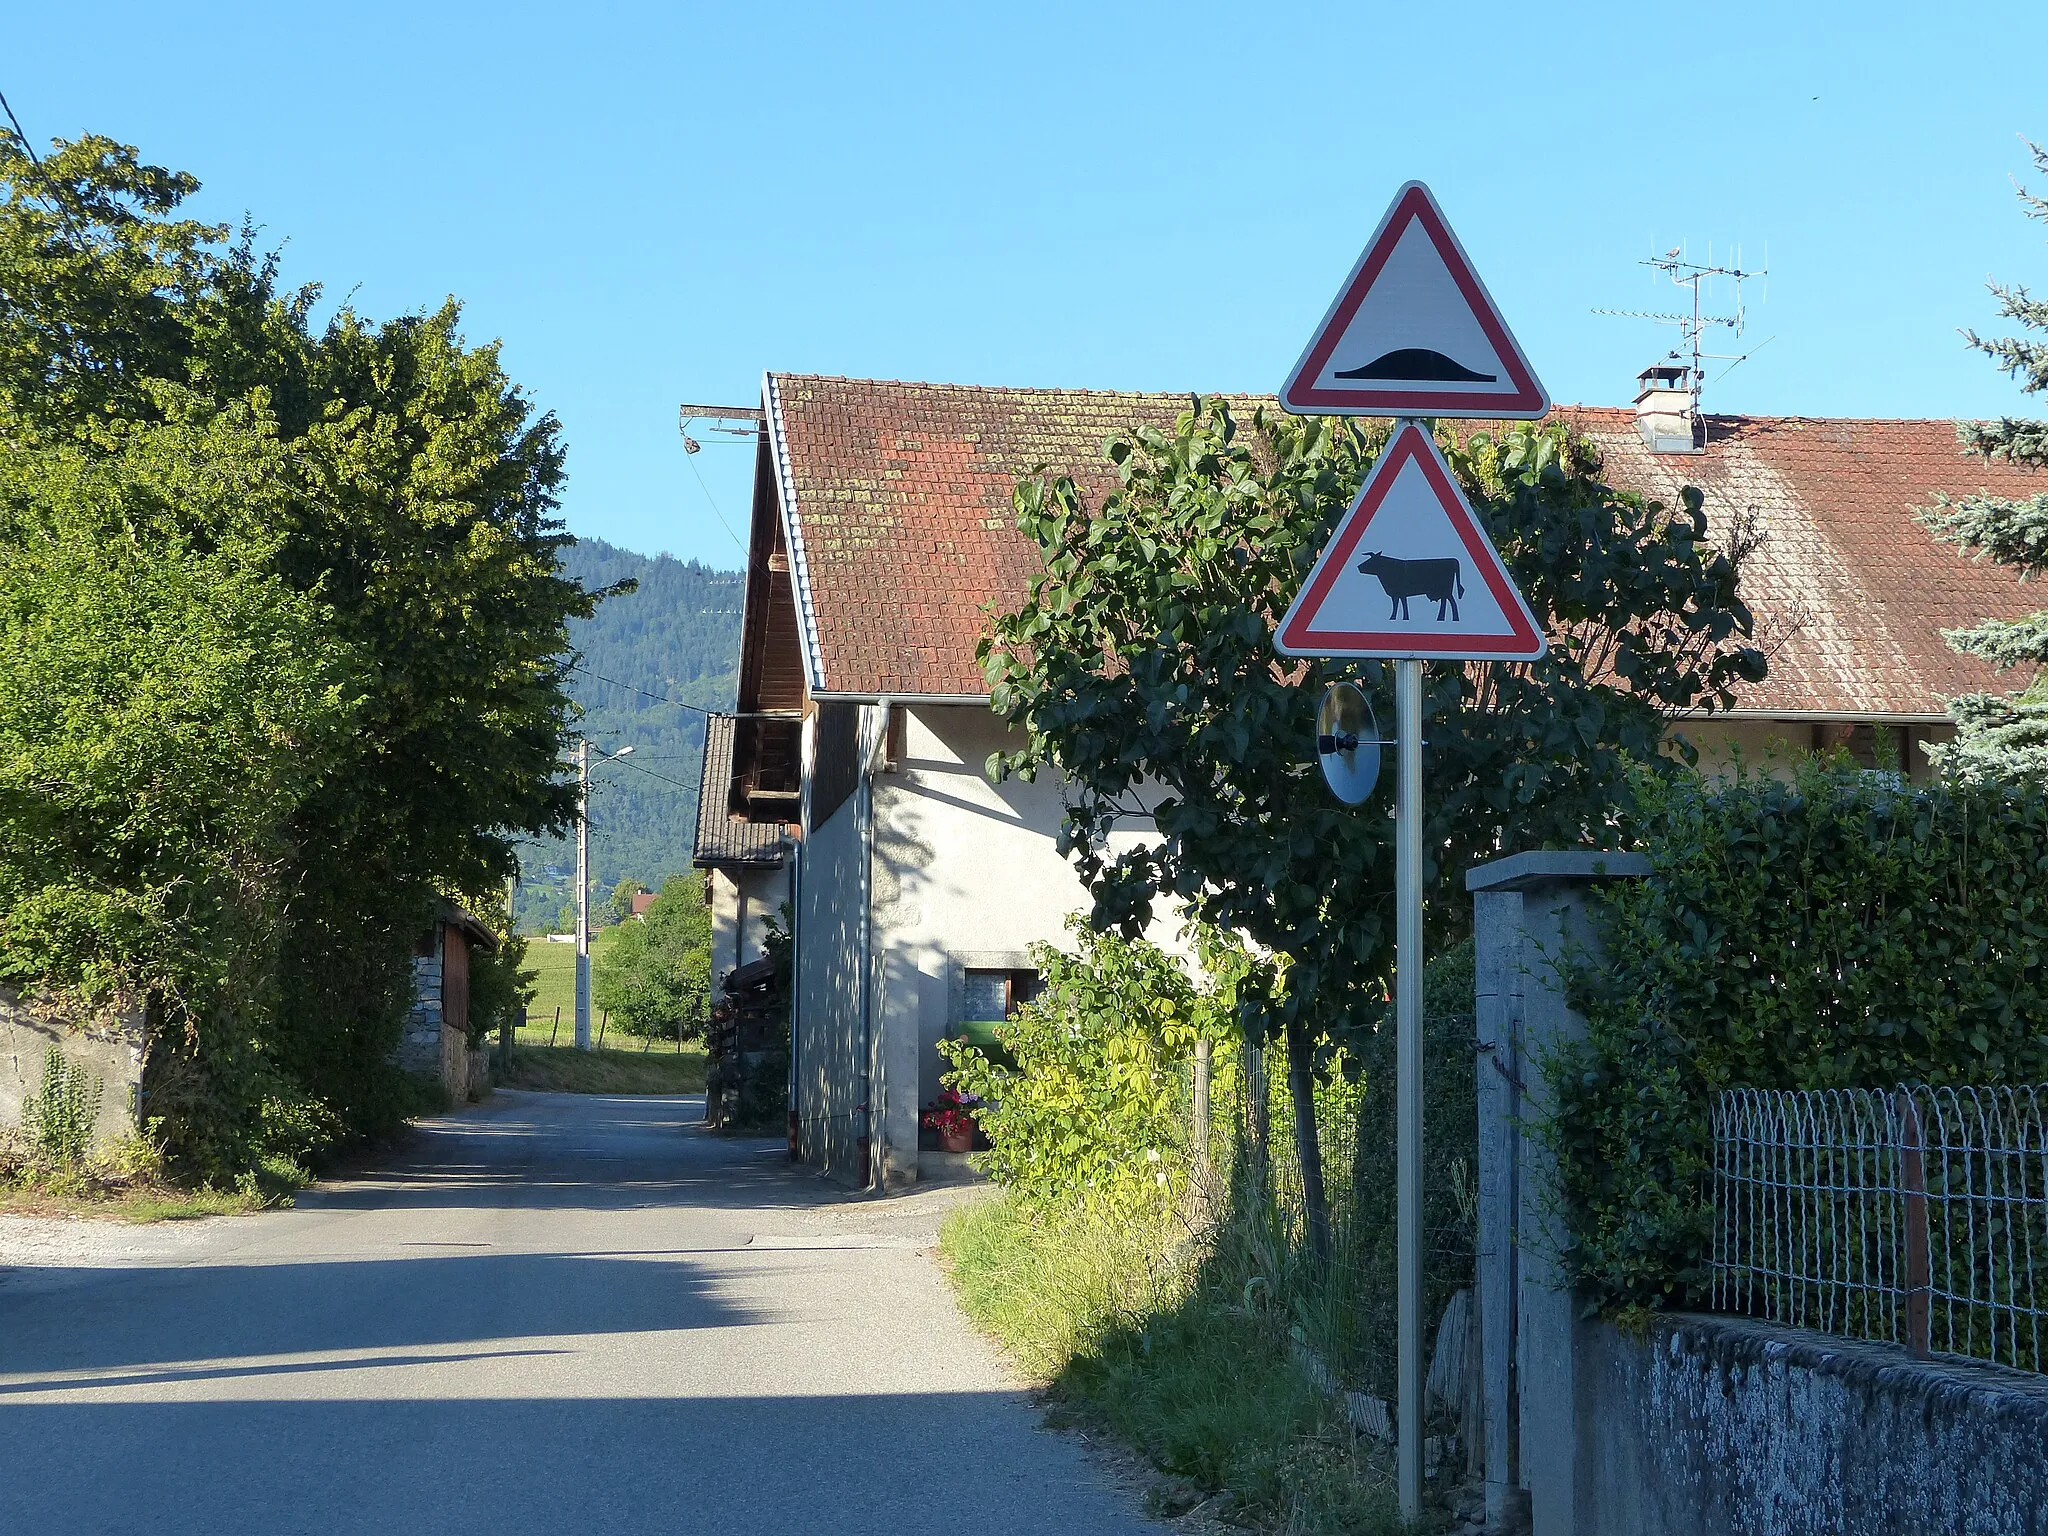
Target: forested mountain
677, 636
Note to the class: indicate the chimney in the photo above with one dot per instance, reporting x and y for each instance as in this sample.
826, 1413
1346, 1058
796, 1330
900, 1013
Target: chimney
1666, 411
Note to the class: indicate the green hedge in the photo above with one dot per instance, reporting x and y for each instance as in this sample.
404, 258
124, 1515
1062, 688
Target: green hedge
1833, 930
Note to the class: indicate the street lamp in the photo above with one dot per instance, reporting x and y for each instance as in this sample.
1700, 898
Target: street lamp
583, 885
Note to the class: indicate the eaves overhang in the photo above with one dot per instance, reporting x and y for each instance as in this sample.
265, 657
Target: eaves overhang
898, 696
793, 537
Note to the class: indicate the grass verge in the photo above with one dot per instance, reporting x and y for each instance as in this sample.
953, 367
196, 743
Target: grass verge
133, 1203
1138, 1332
564, 1069
126, 1182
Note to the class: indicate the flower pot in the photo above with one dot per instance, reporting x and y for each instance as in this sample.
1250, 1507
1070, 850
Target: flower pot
961, 1140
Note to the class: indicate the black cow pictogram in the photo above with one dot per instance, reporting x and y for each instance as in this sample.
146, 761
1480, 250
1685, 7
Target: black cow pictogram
1437, 581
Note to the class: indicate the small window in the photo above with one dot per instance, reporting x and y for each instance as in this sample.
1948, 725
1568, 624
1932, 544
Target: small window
992, 996
989, 997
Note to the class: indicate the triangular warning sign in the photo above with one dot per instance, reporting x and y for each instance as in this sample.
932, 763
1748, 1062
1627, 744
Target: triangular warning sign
1414, 332
1410, 573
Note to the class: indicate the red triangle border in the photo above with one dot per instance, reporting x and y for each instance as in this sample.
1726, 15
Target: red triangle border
1528, 398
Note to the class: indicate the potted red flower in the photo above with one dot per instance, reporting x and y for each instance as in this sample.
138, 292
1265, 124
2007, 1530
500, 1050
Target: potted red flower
951, 1115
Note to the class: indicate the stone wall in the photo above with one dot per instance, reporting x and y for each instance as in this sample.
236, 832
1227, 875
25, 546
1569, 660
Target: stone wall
1710, 1425
111, 1049
419, 1047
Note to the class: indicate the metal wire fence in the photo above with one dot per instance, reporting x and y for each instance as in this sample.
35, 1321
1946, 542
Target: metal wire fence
1918, 1216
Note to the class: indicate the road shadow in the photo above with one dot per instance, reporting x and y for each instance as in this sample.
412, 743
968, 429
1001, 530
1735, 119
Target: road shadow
225, 1312
587, 1152
901, 1464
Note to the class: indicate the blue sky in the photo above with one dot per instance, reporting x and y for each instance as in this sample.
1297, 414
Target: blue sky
651, 204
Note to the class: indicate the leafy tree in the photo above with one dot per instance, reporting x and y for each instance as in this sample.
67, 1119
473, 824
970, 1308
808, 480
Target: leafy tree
165, 702
1089, 1101
406, 491
655, 975
1141, 667
2005, 734
620, 907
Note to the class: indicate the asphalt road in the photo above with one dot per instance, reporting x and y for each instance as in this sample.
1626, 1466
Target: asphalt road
556, 1313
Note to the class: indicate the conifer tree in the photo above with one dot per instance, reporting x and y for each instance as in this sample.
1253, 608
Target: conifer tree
2005, 734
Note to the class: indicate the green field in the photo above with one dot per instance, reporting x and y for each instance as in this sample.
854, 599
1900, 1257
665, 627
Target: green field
554, 968
563, 1069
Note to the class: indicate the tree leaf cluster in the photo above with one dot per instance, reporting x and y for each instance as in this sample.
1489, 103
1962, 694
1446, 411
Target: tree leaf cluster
2005, 734
1832, 929
1141, 668
283, 628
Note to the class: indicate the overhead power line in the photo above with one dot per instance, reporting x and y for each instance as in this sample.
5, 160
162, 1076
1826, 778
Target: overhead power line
624, 762
630, 688
685, 414
49, 187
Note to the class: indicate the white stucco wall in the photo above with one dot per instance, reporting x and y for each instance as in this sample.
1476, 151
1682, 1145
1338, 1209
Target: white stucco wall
742, 901
963, 874
830, 1067
967, 873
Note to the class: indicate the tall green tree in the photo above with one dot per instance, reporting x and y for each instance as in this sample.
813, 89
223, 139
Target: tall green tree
1141, 667
408, 496
165, 702
654, 976
2005, 734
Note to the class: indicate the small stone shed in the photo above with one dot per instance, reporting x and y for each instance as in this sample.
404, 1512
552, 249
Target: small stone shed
436, 1036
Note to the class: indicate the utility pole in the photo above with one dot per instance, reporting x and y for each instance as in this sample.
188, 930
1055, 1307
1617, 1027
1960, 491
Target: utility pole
583, 883
583, 895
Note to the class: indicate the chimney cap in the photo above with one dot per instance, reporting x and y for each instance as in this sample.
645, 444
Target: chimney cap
1664, 376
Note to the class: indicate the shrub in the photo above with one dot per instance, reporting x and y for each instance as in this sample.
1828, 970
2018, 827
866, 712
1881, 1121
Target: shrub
500, 988
1832, 930
1091, 1097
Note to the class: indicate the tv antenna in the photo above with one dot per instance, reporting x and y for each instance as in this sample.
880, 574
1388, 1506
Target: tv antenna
1693, 324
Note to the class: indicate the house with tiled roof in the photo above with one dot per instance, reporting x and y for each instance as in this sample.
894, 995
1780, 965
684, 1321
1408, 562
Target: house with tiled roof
882, 532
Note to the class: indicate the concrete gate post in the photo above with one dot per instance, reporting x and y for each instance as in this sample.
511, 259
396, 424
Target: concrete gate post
1529, 909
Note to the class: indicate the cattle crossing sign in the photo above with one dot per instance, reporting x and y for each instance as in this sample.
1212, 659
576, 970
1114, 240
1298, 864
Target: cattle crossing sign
1410, 573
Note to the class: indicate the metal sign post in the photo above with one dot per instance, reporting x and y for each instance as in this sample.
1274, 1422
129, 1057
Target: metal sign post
1408, 1078
1409, 576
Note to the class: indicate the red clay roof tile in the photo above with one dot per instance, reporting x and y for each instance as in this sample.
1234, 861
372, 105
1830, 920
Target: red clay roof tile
902, 503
